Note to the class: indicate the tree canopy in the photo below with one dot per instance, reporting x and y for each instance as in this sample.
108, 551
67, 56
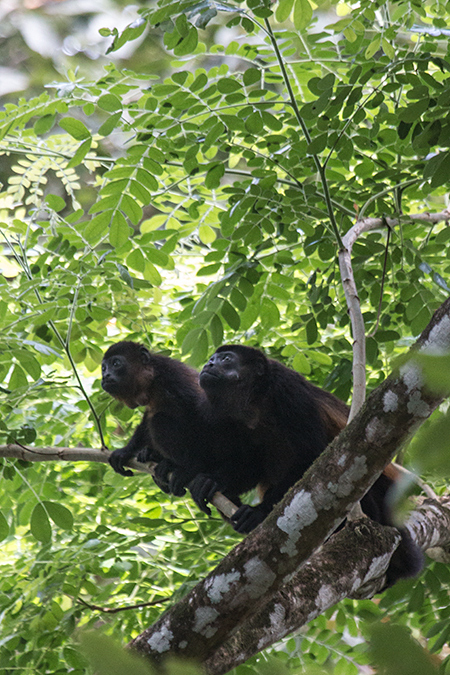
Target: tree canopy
197, 189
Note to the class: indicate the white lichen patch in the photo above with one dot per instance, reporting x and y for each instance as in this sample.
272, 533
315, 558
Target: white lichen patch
326, 597
204, 618
161, 640
411, 374
259, 577
297, 515
390, 402
345, 484
357, 582
438, 342
277, 626
342, 459
418, 407
183, 644
373, 430
217, 586
378, 566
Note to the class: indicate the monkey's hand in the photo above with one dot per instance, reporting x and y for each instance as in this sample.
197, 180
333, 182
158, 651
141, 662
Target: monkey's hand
247, 518
119, 458
202, 489
172, 479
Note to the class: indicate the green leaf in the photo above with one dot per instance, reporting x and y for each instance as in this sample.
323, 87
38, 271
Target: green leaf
301, 364
18, 378
270, 315
206, 234
80, 154
158, 257
214, 175
109, 102
311, 331
75, 128
131, 208
373, 47
252, 75
230, 315
110, 124
97, 227
413, 111
152, 274
302, 14
190, 340
40, 525
119, 230
442, 175
388, 48
283, 10
44, 124
4, 527
216, 329
254, 123
227, 85
188, 44
60, 515
136, 260
55, 202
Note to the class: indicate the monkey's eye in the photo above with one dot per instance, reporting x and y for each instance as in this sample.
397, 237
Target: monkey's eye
116, 363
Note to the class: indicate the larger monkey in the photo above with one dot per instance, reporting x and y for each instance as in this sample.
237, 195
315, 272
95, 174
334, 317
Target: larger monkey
287, 423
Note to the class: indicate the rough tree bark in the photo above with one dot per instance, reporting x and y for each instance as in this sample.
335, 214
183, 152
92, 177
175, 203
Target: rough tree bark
261, 565
352, 563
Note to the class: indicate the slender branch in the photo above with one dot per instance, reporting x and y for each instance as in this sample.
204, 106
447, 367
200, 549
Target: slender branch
45, 454
23, 262
351, 293
319, 167
116, 610
383, 279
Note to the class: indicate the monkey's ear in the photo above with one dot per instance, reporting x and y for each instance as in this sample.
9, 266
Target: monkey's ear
146, 357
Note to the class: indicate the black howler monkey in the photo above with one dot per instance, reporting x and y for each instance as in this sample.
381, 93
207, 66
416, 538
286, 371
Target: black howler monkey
283, 423
172, 429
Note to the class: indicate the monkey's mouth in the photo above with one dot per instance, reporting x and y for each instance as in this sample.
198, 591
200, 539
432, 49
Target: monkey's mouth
206, 375
110, 387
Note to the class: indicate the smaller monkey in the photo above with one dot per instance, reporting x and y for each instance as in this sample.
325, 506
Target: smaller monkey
171, 432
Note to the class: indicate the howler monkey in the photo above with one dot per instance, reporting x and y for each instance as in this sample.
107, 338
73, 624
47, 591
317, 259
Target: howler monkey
172, 429
284, 423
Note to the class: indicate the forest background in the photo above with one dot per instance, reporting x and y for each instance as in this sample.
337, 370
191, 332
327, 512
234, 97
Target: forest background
183, 174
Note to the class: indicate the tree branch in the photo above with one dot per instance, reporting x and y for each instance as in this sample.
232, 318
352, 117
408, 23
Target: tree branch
352, 298
200, 623
352, 563
12, 450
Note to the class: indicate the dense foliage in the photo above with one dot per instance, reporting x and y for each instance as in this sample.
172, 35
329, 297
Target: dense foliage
184, 209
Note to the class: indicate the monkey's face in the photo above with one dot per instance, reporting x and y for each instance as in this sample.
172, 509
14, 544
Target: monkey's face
115, 375
127, 373
222, 368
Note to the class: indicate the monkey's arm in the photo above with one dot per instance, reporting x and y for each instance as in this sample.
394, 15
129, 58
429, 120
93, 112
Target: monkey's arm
139, 441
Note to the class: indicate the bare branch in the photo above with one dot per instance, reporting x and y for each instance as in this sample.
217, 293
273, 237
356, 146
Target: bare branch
221, 503
351, 294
